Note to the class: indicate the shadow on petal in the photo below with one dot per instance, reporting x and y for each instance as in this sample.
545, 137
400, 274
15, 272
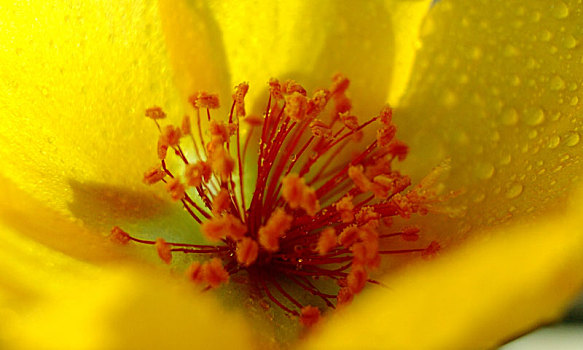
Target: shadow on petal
142, 212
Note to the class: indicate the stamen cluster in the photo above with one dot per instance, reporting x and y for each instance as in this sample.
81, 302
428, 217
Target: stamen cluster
310, 215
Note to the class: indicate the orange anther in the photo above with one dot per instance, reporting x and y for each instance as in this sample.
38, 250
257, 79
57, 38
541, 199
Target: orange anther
290, 87
320, 129
164, 250
342, 104
410, 234
155, 113
385, 135
153, 175
398, 149
170, 135
346, 209
186, 127
386, 115
348, 236
344, 297
196, 173
292, 190
221, 202
205, 100
317, 103
219, 131
275, 89
339, 84
253, 120
247, 250
162, 148
327, 241
367, 214
222, 163
176, 189
356, 279
350, 121
310, 201
295, 106
223, 226
214, 273
119, 236
194, 272
239, 98
431, 251
297, 194
360, 180
309, 315
275, 227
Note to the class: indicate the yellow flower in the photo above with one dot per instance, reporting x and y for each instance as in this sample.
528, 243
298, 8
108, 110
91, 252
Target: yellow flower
493, 85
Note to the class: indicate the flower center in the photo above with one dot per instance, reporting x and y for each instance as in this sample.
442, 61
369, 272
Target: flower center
311, 214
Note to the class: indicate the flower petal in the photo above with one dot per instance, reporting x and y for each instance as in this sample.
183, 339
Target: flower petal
122, 309
497, 88
76, 79
310, 41
484, 293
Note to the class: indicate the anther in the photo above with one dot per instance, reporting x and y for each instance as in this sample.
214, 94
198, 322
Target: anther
296, 105
275, 227
119, 236
194, 272
176, 189
214, 273
247, 251
239, 98
155, 113
153, 175
356, 279
164, 250
327, 241
309, 315
410, 234
205, 100
431, 251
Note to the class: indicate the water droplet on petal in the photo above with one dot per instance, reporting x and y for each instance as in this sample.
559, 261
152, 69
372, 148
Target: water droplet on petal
546, 35
535, 16
509, 116
514, 191
534, 116
572, 139
506, 159
484, 170
554, 141
511, 51
559, 9
557, 83
569, 41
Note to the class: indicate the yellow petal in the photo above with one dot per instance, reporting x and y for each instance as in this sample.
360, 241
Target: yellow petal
53, 291
123, 309
76, 79
497, 88
310, 41
488, 291
193, 40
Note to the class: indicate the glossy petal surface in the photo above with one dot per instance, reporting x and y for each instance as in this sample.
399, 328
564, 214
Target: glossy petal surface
496, 88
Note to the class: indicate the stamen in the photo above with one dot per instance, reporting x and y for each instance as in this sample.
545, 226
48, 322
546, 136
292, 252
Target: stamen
247, 251
164, 250
309, 315
310, 215
214, 273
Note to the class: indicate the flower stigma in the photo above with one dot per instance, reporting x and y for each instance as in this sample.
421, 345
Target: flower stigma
313, 214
